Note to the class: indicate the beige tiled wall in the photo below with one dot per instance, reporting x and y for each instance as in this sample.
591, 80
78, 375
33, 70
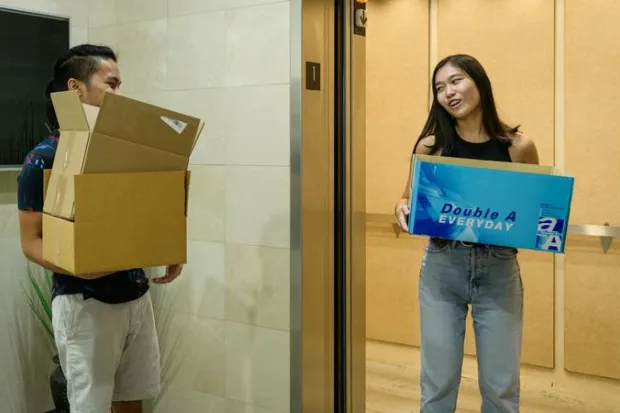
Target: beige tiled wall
24, 359
225, 322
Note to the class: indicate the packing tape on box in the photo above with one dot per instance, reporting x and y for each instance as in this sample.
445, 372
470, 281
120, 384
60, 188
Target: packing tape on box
57, 255
66, 161
69, 140
61, 189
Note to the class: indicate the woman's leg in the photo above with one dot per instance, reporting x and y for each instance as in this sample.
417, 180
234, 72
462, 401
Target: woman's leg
497, 310
443, 308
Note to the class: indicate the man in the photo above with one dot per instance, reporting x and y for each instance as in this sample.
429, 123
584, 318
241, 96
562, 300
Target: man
103, 323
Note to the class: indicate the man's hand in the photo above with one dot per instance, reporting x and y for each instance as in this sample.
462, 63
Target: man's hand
172, 272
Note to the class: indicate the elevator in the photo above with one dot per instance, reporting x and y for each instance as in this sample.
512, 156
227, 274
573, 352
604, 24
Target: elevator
328, 206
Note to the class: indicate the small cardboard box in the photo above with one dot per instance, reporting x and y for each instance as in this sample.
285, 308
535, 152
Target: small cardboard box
147, 228
498, 203
123, 135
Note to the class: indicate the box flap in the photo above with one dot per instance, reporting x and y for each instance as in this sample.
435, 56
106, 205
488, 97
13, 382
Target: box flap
202, 124
67, 163
187, 186
128, 157
72, 114
148, 125
507, 166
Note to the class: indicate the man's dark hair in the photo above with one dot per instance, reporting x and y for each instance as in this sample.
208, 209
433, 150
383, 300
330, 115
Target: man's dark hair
80, 63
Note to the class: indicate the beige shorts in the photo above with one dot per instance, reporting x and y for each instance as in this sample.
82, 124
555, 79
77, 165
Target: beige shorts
108, 352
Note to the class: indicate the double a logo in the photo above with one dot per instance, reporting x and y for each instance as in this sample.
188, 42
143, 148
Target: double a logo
549, 235
550, 225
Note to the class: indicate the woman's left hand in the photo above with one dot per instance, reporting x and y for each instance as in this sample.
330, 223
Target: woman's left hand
172, 272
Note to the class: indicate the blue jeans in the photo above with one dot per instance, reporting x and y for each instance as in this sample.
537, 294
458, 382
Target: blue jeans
453, 277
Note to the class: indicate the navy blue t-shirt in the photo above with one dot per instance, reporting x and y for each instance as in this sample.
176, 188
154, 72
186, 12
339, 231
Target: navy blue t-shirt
120, 287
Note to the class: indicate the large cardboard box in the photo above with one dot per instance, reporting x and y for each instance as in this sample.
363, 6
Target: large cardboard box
498, 203
122, 221
116, 197
123, 135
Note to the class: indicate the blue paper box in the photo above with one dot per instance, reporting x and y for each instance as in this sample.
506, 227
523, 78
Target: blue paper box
498, 203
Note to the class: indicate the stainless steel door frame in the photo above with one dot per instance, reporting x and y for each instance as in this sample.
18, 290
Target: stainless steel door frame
315, 271
312, 207
350, 199
356, 173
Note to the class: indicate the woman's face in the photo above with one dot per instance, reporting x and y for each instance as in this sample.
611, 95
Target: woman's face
456, 92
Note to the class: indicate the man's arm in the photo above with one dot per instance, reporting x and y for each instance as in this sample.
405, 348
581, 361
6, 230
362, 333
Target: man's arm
30, 206
30, 231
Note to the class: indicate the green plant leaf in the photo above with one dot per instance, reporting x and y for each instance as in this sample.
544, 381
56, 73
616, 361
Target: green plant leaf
41, 319
39, 298
43, 300
49, 278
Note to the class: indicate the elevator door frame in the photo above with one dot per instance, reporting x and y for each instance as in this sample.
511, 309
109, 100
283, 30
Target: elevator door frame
327, 226
350, 201
312, 208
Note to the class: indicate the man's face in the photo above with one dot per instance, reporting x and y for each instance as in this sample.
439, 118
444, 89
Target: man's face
107, 78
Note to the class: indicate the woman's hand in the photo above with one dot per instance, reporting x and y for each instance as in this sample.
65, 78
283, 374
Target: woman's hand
402, 211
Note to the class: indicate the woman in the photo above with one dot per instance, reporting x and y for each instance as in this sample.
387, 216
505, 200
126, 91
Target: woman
463, 123
103, 323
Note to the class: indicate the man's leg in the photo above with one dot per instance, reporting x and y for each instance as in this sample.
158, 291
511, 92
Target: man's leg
89, 336
138, 374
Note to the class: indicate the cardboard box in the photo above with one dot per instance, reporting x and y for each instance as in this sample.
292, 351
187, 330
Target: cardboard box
116, 196
147, 228
123, 135
498, 203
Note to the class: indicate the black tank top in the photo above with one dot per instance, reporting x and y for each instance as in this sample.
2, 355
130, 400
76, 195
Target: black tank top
491, 150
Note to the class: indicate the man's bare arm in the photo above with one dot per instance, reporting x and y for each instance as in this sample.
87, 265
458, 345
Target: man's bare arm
31, 233
30, 230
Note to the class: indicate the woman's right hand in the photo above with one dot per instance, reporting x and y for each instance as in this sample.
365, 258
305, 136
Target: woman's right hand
402, 211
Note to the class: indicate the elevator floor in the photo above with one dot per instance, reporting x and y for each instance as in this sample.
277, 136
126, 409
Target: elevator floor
392, 383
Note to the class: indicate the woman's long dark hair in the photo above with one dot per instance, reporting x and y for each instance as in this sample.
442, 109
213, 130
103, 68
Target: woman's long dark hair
443, 125
80, 63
